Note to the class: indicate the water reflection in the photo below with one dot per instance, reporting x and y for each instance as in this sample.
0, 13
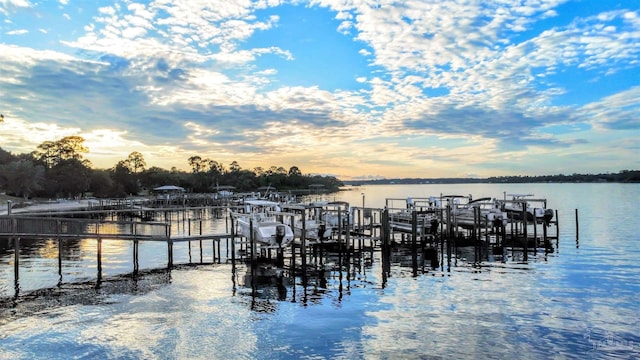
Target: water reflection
82, 293
572, 303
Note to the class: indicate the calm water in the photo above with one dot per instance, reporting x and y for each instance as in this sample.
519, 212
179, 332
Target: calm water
582, 301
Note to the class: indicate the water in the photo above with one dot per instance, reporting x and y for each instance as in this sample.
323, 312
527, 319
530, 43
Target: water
581, 301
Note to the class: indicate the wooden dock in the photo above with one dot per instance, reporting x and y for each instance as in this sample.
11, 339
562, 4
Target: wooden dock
366, 230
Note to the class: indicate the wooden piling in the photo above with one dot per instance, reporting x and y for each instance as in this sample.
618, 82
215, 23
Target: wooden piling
414, 245
99, 259
524, 229
16, 264
535, 232
577, 227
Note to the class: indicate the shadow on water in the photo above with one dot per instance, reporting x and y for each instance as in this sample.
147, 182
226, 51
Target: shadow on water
330, 276
83, 293
264, 285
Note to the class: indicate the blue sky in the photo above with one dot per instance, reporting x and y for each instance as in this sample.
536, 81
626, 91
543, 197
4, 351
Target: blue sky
354, 89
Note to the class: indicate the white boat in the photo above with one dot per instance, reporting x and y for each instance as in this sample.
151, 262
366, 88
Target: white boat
338, 215
314, 229
426, 222
514, 208
260, 215
483, 212
321, 219
427, 211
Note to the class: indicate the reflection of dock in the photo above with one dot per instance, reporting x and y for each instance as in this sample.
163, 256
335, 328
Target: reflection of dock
92, 225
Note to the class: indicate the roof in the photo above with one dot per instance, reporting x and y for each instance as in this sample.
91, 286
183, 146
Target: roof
169, 188
261, 203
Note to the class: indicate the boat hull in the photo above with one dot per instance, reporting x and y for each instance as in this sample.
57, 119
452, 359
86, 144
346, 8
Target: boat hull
270, 233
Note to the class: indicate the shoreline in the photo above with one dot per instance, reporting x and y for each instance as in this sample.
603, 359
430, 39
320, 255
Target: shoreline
25, 207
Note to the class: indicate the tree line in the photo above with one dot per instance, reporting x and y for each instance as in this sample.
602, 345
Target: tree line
58, 169
623, 176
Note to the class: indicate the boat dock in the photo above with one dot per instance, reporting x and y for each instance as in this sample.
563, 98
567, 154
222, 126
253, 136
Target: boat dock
423, 230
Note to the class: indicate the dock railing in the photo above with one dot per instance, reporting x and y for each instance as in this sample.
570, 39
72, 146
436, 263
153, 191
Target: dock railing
24, 226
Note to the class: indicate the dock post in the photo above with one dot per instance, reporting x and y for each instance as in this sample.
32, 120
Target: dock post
233, 241
135, 256
16, 256
58, 227
254, 248
201, 256
414, 245
450, 237
503, 236
475, 235
16, 265
99, 260
557, 229
524, 229
512, 223
577, 228
544, 238
386, 249
213, 245
293, 244
535, 232
169, 246
59, 261
136, 248
303, 244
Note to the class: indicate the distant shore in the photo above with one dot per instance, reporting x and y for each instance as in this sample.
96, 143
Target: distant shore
19, 205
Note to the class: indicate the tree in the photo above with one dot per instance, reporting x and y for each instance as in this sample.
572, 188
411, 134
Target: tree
197, 163
234, 166
135, 162
22, 177
216, 168
6, 157
69, 177
100, 183
47, 154
71, 147
52, 152
155, 176
293, 171
124, 181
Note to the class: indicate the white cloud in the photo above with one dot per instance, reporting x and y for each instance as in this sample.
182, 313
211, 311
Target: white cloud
18, 32
438, 72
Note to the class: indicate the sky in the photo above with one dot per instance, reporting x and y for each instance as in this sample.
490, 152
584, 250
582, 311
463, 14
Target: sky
347, 88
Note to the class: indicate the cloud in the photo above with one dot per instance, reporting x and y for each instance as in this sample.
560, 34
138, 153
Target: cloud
18, 32
620, 111
8, 6
464, 82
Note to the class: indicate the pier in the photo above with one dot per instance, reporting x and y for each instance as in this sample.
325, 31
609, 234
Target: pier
421, 233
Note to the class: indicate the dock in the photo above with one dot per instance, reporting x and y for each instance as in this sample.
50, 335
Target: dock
423, 234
